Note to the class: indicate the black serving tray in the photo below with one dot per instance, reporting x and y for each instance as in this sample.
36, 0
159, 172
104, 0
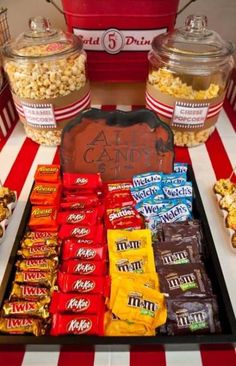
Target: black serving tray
188, 342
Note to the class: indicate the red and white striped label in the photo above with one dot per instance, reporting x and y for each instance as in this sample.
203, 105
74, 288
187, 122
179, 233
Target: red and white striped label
185, 114
41, 115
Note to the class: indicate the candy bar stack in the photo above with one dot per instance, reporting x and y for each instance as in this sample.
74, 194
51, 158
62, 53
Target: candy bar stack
163, 197
191, 304
26, 311
7, 205
136, 305
78, 305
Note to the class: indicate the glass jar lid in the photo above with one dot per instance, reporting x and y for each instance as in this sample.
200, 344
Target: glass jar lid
41, 40
193, 42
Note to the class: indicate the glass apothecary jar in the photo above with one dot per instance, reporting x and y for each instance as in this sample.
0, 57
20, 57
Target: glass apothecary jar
47, 71
189, 71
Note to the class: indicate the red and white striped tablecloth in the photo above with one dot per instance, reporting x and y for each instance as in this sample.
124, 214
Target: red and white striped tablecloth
19, 158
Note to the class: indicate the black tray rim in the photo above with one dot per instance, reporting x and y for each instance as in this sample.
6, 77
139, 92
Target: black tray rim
187, 342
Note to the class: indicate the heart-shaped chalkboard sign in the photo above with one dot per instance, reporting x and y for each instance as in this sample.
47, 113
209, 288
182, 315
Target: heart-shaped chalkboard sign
118, 144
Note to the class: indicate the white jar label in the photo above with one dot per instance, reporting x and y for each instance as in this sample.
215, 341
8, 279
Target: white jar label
39, 115
189, 115
114, 40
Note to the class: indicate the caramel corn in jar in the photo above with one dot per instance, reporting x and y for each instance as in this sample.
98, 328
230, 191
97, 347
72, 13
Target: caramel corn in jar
46, 68
189, 70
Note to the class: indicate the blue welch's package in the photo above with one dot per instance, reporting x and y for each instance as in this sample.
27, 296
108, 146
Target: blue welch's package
145, 179
142, 193
180, 167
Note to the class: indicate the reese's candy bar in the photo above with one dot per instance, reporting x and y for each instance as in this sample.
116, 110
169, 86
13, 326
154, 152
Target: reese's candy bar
35, 278
25, 308
41, 264
82, 181
22, 326
77, 324
123, 218
187, 280
76, 266
76, 303
71, 249
47, 173
144, 179
95, 232
31, 293
45, 194
114, 326
82, 284
39, 251
43, 218
192, 316
80, 217
140, 304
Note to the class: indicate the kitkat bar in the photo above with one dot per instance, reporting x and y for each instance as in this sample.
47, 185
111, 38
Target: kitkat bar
49, 173
63, 324
83, 284
72, 249
76, 303
81, 217
95, 232
76, 266
43, 218
82, 181
45, 194
79, 201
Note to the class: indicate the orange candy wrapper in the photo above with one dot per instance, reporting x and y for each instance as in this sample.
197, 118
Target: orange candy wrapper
45, 194
49, 173
43, 218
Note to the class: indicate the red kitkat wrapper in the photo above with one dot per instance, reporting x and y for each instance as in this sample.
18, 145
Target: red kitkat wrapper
82, 181
77, 324
123, 218
79, 201
71, 249
77, 266
47, 173
45, 194
76, 303
78, 217
83, 284
95, 232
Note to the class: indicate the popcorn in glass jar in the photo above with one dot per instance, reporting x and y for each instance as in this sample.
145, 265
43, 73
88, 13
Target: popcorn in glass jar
189, 70
48, 77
